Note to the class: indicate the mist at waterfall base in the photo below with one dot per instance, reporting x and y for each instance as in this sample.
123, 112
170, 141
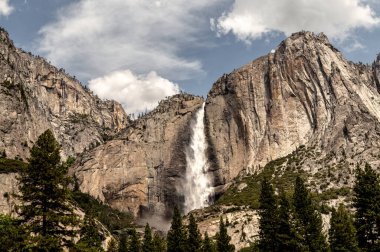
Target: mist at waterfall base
197, 187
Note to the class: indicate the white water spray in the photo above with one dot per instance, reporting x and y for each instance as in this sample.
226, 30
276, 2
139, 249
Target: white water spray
197, 186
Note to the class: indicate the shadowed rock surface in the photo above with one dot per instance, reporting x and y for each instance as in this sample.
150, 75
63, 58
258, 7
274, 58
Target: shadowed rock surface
142, 170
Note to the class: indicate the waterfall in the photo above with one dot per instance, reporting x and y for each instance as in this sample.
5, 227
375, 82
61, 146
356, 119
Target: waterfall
197, 187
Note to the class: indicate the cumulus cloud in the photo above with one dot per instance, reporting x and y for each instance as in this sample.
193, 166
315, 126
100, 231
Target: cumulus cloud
251, 19
95, 37
5, 8
137, 93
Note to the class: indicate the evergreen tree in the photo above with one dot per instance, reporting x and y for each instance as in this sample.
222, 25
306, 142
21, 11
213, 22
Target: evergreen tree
268, 221
194, 240
134, 242
176, 238
158, 243
207, 244
342, 233
90, 239
147, 245
288, 240
123, 246
12, 236
46, 210
309, 218
223, 239
367, 204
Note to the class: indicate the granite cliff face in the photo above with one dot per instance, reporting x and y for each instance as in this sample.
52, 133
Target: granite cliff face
142, 170
304, 93
303, 101
35, 96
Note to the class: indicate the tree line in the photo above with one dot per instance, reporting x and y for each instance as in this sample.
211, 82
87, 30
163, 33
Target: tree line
47, 220
295, 224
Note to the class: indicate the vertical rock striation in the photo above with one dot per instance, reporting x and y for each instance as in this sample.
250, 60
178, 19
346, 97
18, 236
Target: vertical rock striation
35, 96
142, 170
305, 93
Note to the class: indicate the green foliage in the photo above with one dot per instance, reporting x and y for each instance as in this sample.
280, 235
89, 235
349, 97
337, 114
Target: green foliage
123, 245
109, 217
288, 238
176, 238
147, 245
79, 118
194, 239
333, 193
342, 233
12, 236
367, 204
207, 244
159, 244
11, 165
268, 221
91, 239
46, 210
134, 242
250, 195
309, 218
223, 239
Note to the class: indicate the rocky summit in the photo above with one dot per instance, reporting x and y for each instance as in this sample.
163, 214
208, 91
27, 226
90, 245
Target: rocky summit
35, 96
301, 109
303, 94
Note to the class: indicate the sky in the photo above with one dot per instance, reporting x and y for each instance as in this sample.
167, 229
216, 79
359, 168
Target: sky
140, 51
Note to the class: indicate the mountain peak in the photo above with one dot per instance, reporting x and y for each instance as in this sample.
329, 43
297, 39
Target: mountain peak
306, 40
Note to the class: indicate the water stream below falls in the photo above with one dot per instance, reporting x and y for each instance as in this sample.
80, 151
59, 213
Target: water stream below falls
197, 188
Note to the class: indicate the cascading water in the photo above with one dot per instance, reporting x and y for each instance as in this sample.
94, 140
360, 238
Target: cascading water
197, 188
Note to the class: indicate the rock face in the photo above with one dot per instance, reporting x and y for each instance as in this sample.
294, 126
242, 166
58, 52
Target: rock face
8, 187
35, 96
142, 170
305, 93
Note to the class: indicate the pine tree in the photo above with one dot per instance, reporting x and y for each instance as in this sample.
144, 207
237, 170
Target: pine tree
134, 242
46, 210
223, 239
268, 221
286, 233
207, 244
12, 236
123, 246
309, 218
147, 245
158, 243
176, 238
367, 204
194, 240
342, 233
90, 239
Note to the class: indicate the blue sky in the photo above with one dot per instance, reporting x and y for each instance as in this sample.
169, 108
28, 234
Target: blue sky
139, 51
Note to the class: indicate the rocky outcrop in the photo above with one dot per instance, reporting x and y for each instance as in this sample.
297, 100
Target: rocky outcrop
376, 72
8, 188
305, 93
142, 170
35, 96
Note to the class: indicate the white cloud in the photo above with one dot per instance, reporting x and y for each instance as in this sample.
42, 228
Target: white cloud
95, 37
136, 93
251, 19
5, 8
